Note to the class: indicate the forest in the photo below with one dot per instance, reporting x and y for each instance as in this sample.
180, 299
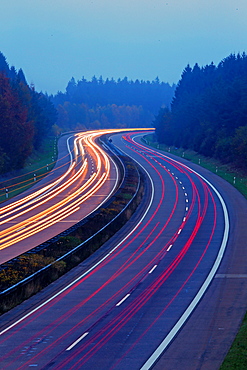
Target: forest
26, 117
99, 104
205, 112
208, 113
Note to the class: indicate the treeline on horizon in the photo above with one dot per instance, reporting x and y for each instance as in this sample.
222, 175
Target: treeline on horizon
208, 113
108, 103
26, 117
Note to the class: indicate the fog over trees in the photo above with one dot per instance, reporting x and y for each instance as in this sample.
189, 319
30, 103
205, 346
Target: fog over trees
206, 111
106, 104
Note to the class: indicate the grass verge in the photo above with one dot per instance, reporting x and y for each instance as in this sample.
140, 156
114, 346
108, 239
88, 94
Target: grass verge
233, 176
236, 357
37, 166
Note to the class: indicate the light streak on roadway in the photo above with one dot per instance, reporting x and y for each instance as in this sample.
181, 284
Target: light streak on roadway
44, 207
116, 314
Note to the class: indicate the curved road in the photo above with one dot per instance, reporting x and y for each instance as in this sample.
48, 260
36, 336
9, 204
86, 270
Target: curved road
82, 179
136, 300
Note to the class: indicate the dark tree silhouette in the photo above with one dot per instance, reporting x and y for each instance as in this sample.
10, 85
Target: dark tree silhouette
26, 117
209, 111
110, 103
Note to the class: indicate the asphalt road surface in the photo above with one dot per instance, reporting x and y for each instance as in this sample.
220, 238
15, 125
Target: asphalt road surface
153, 294
83, 178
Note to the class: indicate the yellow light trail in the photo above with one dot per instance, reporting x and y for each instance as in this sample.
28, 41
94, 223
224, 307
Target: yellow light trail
71, 203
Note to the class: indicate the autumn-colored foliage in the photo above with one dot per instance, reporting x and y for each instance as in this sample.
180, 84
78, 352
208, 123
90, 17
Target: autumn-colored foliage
17, 131
25, 118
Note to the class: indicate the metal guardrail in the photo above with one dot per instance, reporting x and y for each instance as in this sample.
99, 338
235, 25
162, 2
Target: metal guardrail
11, 291
24, 281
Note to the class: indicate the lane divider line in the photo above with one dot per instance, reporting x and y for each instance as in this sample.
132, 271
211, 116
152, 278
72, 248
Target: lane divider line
152, 269
77, 341
91, 268
160, 349
122, 300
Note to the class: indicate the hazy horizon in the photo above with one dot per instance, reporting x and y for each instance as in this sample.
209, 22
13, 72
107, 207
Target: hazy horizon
141, 39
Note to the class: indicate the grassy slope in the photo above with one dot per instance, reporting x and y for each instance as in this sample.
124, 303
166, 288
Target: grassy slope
19, 181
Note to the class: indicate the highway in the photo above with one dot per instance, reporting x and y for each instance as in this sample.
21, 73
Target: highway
82, 179
125, 309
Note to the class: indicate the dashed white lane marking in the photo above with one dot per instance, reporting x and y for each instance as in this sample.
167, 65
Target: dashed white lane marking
77, 341
122, 300
169, 337
169, 247
152, 269
186, 209
184, 219
179, 231
186, 200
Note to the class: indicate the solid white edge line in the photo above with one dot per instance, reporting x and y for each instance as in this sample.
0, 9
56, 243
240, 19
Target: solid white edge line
77, 341
91, 268
160, 349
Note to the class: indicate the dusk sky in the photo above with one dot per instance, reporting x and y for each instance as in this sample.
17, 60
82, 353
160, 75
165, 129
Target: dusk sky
53, 40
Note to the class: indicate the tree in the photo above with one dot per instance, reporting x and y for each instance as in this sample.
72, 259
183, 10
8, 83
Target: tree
16, 130
26, 117
209, 111
239, 146
4, 67
163, 126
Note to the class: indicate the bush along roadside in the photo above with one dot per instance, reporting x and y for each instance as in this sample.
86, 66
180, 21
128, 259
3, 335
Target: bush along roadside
27, 274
